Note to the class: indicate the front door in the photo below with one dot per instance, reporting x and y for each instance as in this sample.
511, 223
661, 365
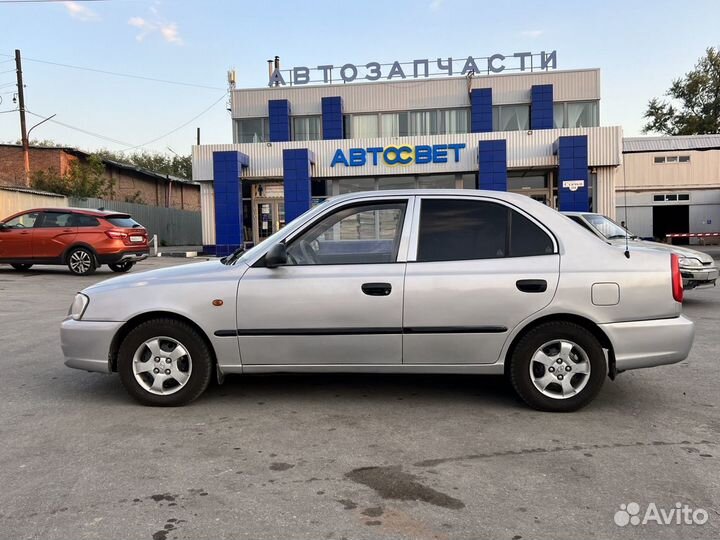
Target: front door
476, 269
338, 300
16, 237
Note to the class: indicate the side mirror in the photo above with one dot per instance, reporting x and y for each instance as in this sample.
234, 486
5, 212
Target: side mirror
3, 227
276, 256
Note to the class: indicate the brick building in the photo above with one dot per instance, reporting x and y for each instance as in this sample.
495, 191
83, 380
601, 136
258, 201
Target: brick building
129, 183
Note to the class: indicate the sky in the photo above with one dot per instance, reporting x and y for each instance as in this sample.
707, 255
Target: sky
640, 47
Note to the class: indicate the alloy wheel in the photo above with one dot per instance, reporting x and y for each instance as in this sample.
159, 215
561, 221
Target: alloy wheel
560, 369
162, 365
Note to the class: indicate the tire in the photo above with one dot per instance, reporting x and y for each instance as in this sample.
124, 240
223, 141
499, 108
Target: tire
121, 267
21, 267
558, 367
187, 373
81, 261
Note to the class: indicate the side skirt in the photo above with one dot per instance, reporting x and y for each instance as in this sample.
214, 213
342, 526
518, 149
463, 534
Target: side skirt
477, 369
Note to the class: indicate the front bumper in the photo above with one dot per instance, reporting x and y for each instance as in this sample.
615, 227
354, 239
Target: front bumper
656, 342
698, 277
125, 256
86, 344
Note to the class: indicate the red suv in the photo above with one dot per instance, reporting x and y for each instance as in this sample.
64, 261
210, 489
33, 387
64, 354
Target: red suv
83, 239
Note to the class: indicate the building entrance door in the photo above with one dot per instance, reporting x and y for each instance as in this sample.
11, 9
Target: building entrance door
669, 219
268, 218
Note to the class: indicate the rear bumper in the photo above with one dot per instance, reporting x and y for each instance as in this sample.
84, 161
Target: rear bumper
699, 277
86, 344
656, 342
124, 256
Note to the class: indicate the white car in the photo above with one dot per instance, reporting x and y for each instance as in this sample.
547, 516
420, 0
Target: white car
428, 281
697, 269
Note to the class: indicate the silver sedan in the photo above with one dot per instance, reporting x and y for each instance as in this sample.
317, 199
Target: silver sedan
471, 282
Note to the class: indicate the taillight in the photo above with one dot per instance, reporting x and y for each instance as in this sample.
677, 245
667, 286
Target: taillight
677, 284
116, 234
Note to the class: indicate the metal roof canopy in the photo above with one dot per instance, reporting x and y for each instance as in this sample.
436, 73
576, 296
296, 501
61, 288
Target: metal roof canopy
671, 143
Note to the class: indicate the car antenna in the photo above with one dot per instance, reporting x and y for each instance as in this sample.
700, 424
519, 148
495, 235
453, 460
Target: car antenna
102, 208
627, 232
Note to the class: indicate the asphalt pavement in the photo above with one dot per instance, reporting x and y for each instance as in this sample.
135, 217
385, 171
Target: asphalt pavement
344, 456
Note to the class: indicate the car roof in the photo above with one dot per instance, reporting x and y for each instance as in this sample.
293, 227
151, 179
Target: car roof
85, 211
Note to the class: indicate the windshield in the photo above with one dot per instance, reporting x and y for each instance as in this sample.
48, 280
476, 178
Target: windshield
607, 227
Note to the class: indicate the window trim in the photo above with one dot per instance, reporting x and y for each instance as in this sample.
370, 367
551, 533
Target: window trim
415, 236
403, 243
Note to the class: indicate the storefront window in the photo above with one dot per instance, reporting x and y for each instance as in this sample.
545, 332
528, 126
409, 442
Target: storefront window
439, 121
394, 124
576, 114
582, 114
437, 181
362, 126
529, 180
251, 130
396, 182
306, 128
511, 117
352, 185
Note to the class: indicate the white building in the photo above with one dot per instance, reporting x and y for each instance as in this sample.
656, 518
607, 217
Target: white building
536, 133
670, 185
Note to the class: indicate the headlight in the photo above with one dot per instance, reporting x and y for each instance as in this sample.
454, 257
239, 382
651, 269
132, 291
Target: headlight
77, 308
690, 262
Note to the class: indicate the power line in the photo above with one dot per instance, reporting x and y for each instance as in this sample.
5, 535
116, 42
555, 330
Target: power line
181, 126
129, 146
117, 74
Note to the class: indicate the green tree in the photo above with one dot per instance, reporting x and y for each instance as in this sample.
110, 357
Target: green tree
694, 106
84, 179
180, 166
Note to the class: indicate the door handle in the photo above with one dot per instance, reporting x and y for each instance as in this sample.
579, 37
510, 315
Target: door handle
25, 232
531, 285
376, 289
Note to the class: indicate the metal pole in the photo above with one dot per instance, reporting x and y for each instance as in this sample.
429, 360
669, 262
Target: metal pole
23, 126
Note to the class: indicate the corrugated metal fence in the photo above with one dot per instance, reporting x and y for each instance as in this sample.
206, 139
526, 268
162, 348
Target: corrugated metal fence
173, 227
14, 200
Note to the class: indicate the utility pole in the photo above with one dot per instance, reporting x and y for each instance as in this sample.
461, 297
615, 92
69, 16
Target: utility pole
23, 126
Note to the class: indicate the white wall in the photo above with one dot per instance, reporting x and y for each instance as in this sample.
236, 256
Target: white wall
413, 94
12, 202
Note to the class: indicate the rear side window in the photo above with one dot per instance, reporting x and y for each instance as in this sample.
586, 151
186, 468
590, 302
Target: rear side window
125, 222
80, 220
465, 230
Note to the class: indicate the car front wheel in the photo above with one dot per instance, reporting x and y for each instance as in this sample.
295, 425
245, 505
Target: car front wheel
558, 367
81, 261
121, 267
164, 362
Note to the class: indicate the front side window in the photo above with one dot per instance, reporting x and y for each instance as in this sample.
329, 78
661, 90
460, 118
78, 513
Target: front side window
363, 234
57, 219
457, 229
252, 130
306, 128
25, 221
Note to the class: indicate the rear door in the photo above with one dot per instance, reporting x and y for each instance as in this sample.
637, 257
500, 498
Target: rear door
476, 268
53, 234
16, 237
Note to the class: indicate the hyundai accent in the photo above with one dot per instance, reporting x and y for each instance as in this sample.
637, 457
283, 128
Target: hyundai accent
421, 281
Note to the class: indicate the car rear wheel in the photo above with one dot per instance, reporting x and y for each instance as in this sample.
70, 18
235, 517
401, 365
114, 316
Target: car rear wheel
164, 362
81, 261
21, 267
558, 367
121, 267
